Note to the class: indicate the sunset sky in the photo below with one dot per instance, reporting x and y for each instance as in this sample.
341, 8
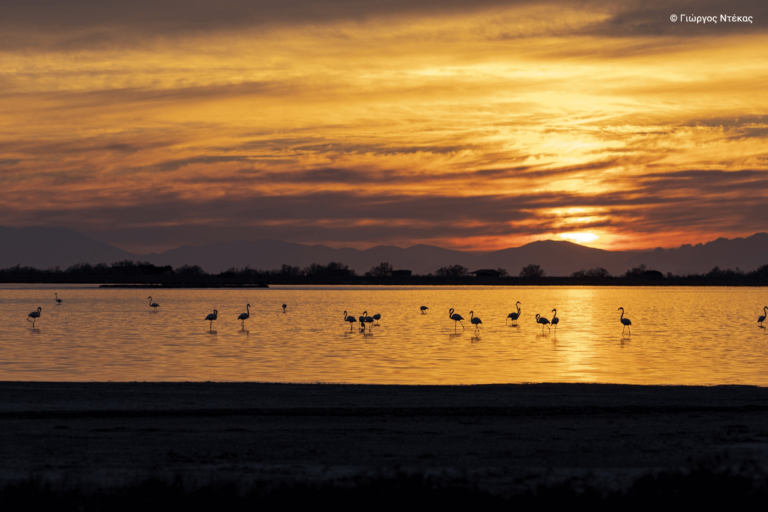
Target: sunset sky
473, 125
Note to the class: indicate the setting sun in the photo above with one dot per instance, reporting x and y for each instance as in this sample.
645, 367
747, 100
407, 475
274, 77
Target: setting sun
378, 126
581, 238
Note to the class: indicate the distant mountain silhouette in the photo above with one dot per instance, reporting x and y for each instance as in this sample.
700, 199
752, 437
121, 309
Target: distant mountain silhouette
558, 258
744, 253
44, 248
48, 247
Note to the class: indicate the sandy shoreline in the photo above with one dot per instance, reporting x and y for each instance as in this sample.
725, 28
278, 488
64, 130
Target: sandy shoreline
498, 433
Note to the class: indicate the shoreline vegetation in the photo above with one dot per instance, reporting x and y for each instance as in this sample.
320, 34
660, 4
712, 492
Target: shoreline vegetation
697, 487
144, 274
123, 446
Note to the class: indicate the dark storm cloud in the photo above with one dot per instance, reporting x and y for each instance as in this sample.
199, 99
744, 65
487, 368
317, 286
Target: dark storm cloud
86, 23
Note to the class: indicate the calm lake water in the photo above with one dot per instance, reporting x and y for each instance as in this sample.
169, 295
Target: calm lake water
679, 335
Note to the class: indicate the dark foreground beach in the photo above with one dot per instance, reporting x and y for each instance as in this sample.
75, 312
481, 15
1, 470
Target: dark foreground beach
498, 441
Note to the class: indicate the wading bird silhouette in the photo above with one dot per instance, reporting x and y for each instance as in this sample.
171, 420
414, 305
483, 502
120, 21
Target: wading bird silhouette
34, 316
424, 309
543, 321
625, 321
153, 304
213, 316
284, 306
514, 316
555, 320
475, 320
58, 300
761, 318
361, 319
349, 319
377, 317
456, 318
365, 319
244, 316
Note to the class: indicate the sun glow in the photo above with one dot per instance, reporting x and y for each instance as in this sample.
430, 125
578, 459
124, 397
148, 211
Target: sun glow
471, 126
579, 237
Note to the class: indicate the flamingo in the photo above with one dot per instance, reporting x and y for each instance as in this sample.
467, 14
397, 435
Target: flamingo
361, 319
555, 320
475, 320
34, 316
244, 316
456, 318
543, 321
377, 317
58, 300
349, 319
213, 316
514, 316
153, 304
284, 306
625, 321
365, 319
424, 309
761, 318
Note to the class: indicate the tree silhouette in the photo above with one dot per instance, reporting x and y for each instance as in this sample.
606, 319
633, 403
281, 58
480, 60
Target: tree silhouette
532, 271
452, 271
597, 272
383, 269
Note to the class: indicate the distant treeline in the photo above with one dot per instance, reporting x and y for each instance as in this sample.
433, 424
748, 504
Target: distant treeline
143, 269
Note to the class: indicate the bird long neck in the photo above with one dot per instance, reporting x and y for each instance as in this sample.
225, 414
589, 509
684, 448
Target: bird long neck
622, 314
150, 300
248, 308
450, 313
555, 315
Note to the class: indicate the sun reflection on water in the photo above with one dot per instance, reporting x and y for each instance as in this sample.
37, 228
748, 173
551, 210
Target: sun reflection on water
679, 335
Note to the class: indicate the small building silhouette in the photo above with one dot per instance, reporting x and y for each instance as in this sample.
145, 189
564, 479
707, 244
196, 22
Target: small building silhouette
401, 273
486, 272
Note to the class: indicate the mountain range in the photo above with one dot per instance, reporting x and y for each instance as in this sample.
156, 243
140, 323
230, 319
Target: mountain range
44, 247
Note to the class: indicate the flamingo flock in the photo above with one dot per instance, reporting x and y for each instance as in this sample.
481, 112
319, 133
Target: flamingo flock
369, 320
